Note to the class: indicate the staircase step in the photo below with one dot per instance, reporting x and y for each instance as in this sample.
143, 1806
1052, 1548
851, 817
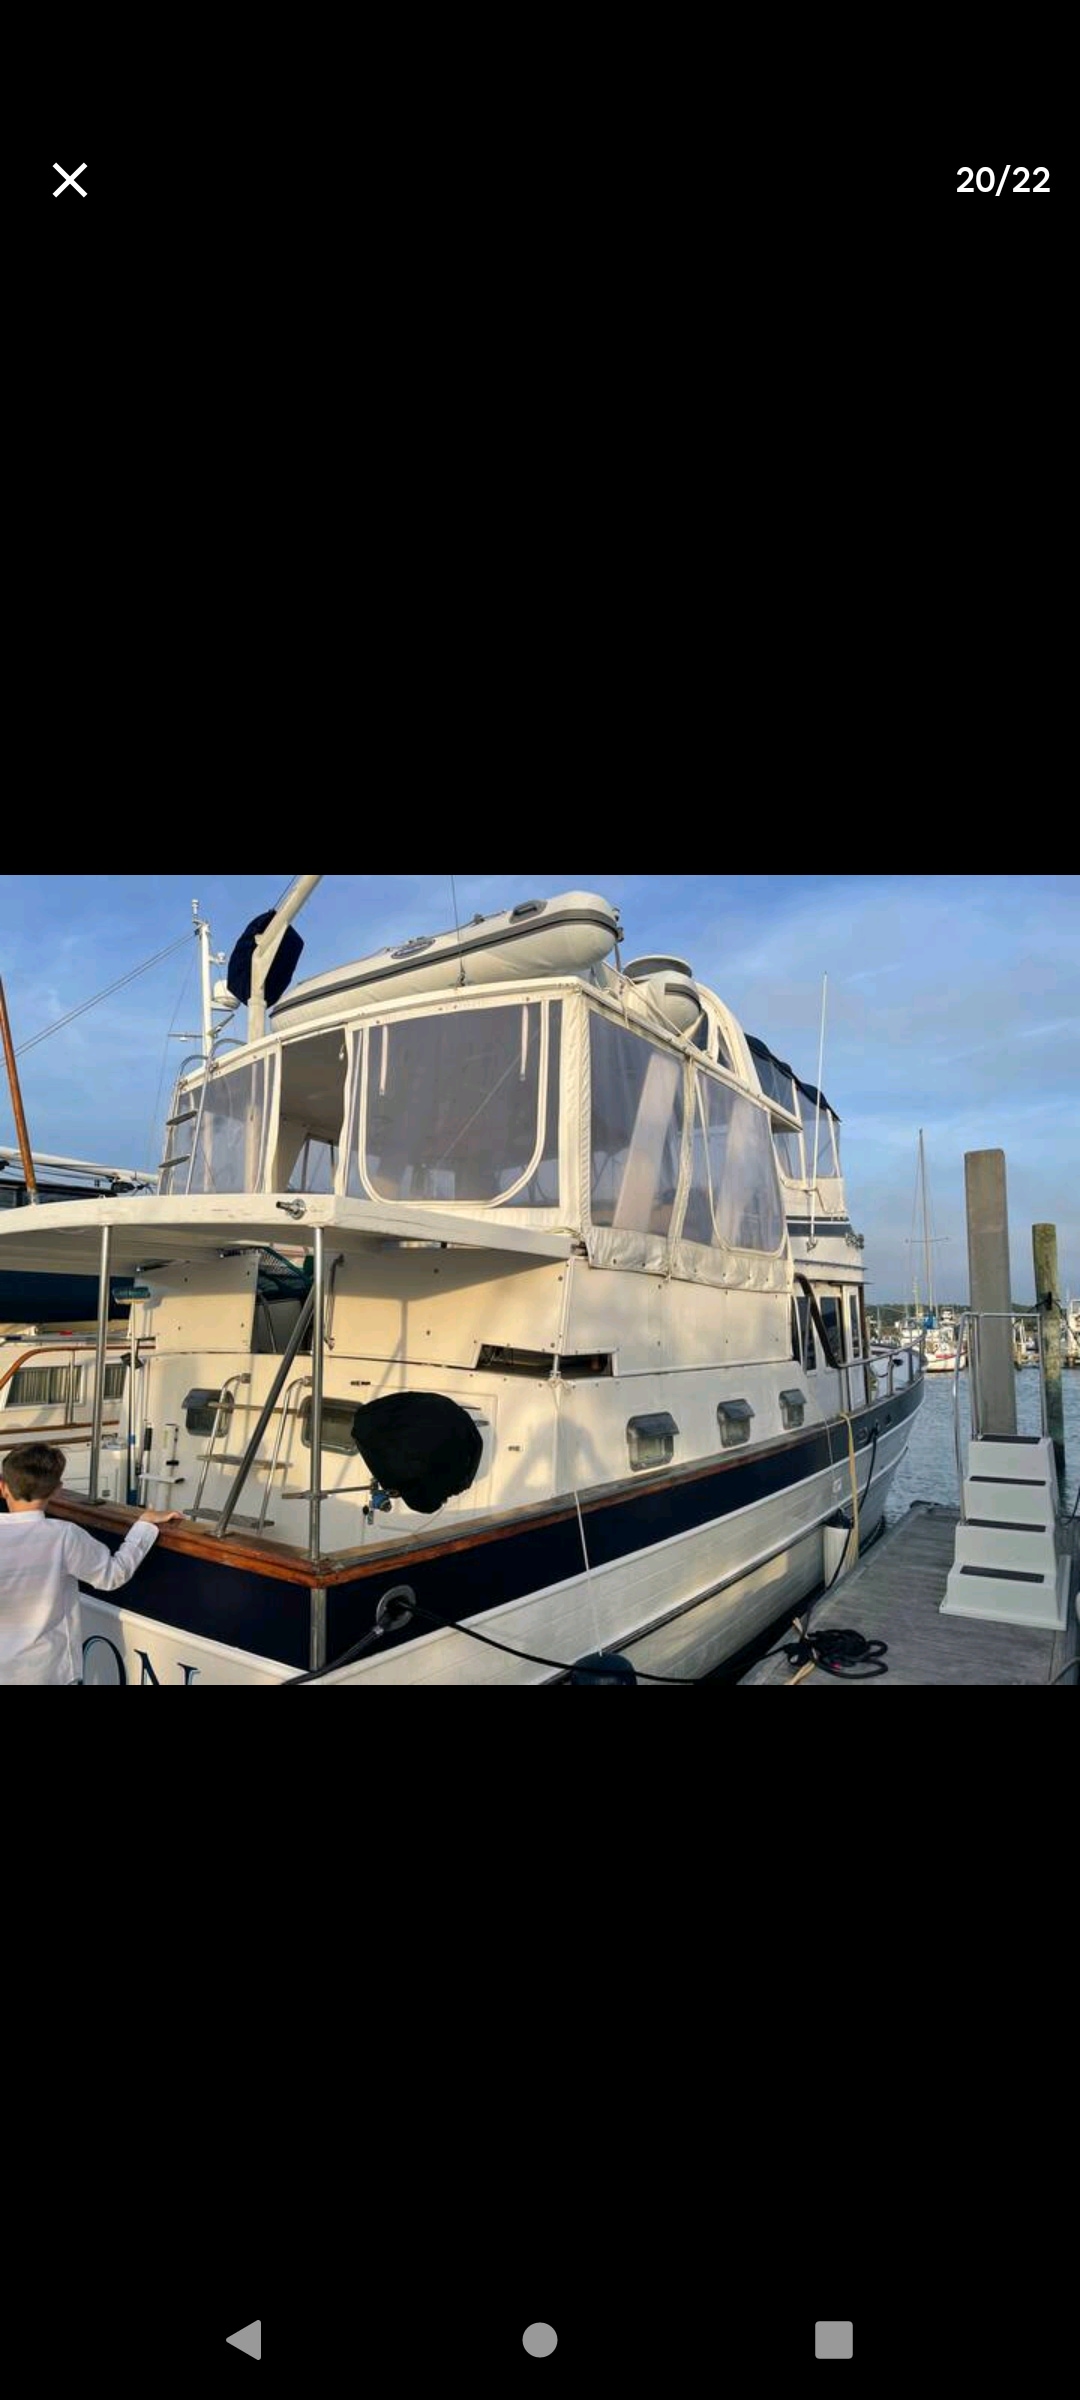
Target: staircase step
1007, 1549
1006, 1503
1040, 1604
235, 1458
1028, 1458
249, 1524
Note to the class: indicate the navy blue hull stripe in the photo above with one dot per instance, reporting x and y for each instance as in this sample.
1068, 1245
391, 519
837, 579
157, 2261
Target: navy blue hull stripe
270, 1618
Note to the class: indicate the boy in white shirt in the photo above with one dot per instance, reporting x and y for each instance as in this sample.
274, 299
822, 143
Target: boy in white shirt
43, 1560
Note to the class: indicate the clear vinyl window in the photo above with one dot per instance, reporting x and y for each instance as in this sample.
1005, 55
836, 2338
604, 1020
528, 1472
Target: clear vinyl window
461, 1107
637, 1121
227, 1136
734, 1188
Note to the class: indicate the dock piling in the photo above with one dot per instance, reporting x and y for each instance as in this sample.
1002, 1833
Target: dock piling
1047, 1301
991, 1289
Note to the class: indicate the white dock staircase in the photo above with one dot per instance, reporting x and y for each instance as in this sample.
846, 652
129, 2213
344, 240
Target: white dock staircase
1009, 1564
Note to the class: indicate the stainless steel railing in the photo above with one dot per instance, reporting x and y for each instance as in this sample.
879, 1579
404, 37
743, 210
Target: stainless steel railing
909, 1352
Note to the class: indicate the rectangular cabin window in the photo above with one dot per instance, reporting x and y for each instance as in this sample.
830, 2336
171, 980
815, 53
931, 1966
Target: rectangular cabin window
637, 1120
806, 1334
337, 1424
734, 1189
41, 1387
854, 1328
830, 1318
461, 1107
200, 1407
114, 1378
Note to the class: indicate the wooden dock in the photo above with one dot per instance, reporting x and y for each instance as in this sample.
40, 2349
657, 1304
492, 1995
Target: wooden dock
895, 1595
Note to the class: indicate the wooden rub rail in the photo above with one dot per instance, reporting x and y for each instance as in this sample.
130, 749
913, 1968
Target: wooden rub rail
275, 1559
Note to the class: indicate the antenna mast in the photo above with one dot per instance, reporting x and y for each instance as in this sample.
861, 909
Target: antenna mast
817, 1112
926, 1234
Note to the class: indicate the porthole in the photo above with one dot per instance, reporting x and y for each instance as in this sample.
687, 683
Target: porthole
651, 1440
734, 1418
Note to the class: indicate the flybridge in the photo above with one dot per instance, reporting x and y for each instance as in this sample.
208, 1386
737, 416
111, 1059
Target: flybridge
782, 1084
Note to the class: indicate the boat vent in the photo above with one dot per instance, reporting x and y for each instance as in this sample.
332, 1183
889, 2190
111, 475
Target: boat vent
502, 1360
420, 941
639, 969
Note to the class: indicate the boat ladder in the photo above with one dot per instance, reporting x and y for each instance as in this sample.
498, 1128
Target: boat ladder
272, 1464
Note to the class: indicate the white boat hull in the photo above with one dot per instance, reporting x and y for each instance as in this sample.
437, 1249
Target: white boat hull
679, 1607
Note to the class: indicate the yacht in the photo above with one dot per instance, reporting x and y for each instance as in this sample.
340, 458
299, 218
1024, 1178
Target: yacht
63, 1300
47, 1393
942, 1344
571, 1380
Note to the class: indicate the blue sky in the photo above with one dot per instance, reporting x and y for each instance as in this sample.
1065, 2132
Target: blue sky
953, 1005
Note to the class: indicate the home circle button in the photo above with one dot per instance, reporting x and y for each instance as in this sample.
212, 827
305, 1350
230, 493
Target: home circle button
539, 2340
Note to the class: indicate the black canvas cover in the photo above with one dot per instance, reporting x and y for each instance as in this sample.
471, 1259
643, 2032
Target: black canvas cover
282, 967
420, 1444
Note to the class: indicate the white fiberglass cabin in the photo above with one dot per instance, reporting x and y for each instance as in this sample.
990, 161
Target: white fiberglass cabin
47, 1393
540, 1375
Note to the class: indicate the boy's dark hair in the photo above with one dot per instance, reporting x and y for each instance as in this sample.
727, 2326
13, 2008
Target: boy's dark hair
34, 1471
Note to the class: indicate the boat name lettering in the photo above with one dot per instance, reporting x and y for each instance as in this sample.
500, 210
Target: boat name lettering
147, 1675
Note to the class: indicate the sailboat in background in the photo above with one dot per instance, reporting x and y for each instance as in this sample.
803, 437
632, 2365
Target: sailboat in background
939, 1325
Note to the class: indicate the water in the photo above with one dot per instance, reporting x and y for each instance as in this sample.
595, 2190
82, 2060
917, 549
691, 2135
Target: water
929, 1469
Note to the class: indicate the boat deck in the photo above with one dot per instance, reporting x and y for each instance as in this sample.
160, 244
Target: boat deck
895, 1596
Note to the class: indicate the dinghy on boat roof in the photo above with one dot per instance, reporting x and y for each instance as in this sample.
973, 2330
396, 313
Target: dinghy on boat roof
566, 935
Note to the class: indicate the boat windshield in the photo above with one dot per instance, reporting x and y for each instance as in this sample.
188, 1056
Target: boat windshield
460, 1106
219, 1130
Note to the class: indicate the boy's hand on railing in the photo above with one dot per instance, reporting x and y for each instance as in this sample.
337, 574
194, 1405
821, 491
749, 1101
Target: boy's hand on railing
160, 1516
